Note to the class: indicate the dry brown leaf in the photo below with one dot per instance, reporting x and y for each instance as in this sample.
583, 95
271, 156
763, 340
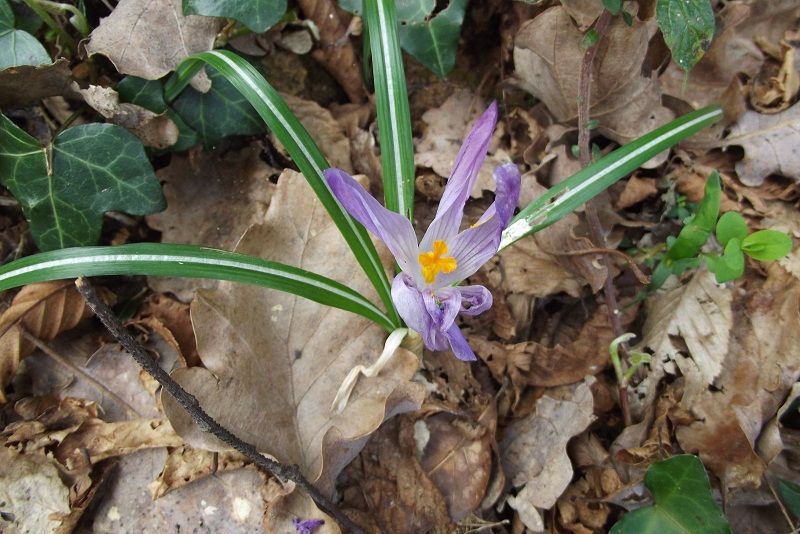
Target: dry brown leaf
446, 127
548, 57
325, 129
211, 201
45, 310
286, 357
761, 366
563, 240
776, 85
39, 81
184, 465
770, 145
636, 190
154, 130
148, 38
534, 449
286, 503
174, 316
584, 12
33, 497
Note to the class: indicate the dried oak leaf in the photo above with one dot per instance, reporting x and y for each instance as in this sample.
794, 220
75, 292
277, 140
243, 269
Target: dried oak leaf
445, 129
285, 357
534, 449
45, 310
761, 366
548, 57
771, 145
148, 38
211, 200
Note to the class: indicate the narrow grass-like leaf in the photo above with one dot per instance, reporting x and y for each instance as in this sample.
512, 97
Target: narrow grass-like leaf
301, 147
564, 198
188, 261
391, 95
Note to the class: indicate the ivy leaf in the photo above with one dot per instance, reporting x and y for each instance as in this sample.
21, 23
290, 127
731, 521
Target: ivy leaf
697, 229
220, 112
790, 493
730, 265
407, 10
18, 47
614, 6
150, 95
683, 501
766, 245
434, 43
688, 27
256, 15
731, 225
95, 168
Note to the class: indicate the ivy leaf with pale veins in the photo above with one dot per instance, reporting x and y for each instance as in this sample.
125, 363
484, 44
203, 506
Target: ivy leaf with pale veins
95, 168
256, 15
220, 112
434, 42
688, 27
18, 47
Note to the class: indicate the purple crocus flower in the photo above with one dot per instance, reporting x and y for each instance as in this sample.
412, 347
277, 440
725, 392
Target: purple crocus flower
306, 526
424, 292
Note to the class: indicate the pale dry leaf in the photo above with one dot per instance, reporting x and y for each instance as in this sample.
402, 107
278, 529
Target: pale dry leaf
148, 38
32, 496
761, 368
212, 199
700, 314
525, 268
534, 449
771, 145
445, 129
325, 129
636, 190
154, 130
45, 310
39, 81
548, 57
584, 12
286, 503
286, 356
184, 465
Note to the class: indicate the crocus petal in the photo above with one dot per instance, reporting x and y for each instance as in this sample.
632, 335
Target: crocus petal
307, 526
476, 245
392, 228
442, 308
462, 178
410, 305
474, 300
459, 345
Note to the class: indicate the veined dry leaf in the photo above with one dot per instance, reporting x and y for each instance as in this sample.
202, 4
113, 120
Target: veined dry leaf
211, 201
770, 145
285, 357
45, 310
325, 129
184, 465
584, 12
33, 497
285, 504
153, 129
446, 127
525, 268
39, 81
761, 367
548, 58
534, 449
148, 38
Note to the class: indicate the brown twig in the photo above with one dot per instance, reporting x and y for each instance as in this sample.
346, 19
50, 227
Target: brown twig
595, 228
204, 421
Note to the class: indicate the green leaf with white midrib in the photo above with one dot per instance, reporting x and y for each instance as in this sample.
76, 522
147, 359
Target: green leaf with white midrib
581, 187
96, 168
394, 117
189, 261
301, 147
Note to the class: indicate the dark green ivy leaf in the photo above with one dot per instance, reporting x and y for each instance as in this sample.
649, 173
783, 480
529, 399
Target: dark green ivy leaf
688, 27
256, 15
18, 47
95, 168
790, 493
434, 43
220, 112
683, 501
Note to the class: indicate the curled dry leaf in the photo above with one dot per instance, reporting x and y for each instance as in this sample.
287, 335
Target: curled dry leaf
548, 57
39, 81
770, 145
45, 310
185, 465
445, 129
284, 505
154, 130
211, 200
534, 449
286, 357
148, 38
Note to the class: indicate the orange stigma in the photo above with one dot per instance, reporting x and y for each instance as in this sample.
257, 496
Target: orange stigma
435, 261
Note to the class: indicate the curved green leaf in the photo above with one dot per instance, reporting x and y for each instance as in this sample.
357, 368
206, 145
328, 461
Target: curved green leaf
767, 245
565, 197
302, 148
698, 228
434, 42
256, 15
730, 225
65, 188
190, 261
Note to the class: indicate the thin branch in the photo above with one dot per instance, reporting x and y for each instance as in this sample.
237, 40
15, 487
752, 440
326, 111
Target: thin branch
595, 228
204, 421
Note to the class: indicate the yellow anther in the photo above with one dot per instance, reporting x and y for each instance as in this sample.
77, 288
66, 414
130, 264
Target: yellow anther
435, 262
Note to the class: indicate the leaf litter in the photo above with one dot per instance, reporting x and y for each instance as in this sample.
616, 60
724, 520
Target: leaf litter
530, 437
